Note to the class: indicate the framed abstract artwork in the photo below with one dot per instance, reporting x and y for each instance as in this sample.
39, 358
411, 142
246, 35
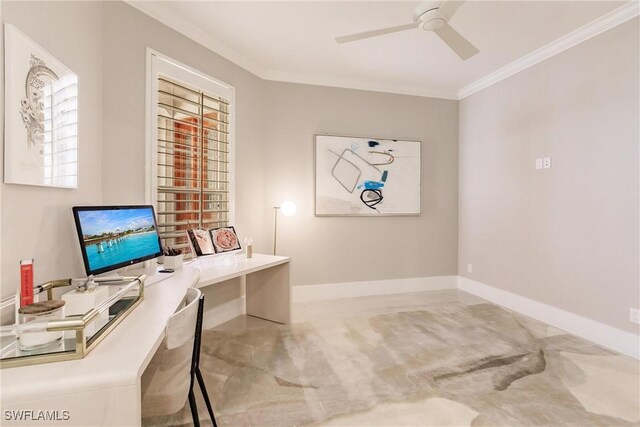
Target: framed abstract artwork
357, 176
41, 116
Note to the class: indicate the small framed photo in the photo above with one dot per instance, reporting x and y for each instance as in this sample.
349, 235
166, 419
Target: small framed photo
225, 239
200, 241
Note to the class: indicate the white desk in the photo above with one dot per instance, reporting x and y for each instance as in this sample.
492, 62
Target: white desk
104, 387
268, 292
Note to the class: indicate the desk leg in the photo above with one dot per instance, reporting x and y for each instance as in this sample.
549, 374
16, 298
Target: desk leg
269, 294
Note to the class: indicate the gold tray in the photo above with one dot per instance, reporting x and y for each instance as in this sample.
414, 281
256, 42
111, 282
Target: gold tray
120, 304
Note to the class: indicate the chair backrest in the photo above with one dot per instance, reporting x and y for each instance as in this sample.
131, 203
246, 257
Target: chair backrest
181, 326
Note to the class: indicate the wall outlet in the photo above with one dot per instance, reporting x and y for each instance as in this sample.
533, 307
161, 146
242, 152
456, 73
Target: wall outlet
546, 162
634, 315
539, 163
469, 268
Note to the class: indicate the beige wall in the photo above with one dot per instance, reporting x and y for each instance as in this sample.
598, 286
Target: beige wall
565, 236
342, 249
36, 221
274, 151
130, 32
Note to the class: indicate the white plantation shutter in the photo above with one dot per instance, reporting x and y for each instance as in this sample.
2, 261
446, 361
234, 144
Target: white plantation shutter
192, 166
60, 142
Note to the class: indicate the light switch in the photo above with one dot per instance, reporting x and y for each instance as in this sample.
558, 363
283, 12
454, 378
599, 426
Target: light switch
539, 163
547, 162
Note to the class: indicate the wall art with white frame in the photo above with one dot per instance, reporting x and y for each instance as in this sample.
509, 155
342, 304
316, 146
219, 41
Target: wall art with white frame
358, 176
41, 115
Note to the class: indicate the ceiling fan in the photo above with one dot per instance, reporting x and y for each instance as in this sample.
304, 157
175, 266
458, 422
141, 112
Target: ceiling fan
431, 16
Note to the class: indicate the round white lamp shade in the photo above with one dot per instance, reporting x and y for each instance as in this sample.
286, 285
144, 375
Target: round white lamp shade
288, 208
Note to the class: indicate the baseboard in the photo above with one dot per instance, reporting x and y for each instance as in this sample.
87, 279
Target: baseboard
218, 314
374, 287
607, 336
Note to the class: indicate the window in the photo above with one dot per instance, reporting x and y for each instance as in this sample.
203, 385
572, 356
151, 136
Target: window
60, 142
192, 151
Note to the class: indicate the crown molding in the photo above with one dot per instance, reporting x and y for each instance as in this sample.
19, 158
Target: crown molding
610, 20
156, 11
279, 76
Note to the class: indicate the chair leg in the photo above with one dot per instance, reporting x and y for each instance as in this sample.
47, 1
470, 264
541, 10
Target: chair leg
194, 408
205, 394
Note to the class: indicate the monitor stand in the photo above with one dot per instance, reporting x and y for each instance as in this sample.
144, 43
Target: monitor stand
115, 278
150, 268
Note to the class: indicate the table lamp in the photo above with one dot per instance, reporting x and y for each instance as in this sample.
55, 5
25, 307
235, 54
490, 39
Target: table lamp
288, 208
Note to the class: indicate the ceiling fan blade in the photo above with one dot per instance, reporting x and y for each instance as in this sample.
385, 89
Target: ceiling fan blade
374, 33
461, 46
449, 7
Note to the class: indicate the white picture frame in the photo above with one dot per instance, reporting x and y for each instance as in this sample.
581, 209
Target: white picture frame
362, 176
41, 116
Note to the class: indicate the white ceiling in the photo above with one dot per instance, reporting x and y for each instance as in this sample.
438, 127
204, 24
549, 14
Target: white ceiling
294, 40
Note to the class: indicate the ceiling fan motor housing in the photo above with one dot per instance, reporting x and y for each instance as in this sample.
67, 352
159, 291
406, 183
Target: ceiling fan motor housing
429, 15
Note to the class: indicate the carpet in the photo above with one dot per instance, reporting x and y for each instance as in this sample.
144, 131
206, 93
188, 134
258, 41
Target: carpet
451, 365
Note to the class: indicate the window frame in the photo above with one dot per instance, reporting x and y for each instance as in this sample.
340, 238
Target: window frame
157, 64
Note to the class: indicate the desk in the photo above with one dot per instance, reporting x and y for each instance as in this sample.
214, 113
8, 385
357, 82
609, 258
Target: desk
268, 291
104, 387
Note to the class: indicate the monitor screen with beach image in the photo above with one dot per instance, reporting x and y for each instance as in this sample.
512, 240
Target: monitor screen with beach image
112, 237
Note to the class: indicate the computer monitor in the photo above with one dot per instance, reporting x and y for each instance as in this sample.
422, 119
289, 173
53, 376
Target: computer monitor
112, 237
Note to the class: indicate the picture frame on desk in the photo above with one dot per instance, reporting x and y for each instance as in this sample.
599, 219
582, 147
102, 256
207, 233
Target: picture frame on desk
200, 242
215, 241
225, 239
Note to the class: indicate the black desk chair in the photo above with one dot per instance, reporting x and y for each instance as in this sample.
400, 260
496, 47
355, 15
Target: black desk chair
195, 371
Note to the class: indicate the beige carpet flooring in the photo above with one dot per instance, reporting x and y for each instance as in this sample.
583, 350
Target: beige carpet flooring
454, 364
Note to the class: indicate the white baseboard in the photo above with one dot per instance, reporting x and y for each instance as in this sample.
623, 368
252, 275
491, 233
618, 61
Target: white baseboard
374, 287
218, 314
607, 336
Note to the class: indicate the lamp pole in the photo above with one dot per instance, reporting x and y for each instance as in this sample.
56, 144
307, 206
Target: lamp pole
275, 227
287, 208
